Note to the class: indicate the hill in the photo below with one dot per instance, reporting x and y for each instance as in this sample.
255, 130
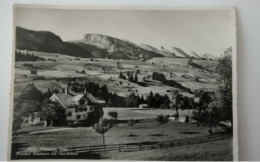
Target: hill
209, 56
93, 45
117, 48
162, 51
44, 41
195, 55
179, 52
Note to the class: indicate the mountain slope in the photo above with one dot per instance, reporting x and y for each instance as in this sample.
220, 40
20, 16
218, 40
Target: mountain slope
45, 41
93, 45
209, 56
195, 55
179, 52
162, 51
117, 48
96, 46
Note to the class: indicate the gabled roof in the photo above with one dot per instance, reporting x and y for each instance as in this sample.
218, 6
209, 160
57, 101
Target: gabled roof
77, 97
70, 100
66, 99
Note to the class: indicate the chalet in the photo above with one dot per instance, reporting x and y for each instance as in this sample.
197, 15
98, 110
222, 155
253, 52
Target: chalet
78, 106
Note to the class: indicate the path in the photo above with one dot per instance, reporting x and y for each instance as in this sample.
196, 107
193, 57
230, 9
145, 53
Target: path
51, 130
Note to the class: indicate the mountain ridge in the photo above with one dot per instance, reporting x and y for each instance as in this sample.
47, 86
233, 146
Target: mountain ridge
96, 46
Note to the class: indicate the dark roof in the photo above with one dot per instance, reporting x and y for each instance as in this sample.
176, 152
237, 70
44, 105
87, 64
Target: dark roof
77, 97
69, 100
66, 99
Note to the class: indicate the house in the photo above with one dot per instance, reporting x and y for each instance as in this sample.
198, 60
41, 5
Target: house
77, 106
141, 106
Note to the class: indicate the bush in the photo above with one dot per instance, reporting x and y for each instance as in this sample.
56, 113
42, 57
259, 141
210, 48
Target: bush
34, 71
93, 118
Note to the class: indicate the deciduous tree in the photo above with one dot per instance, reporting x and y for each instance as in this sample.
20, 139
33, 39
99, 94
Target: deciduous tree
162, 120
224, 69
102, 127
114, 115
131, 123
54, 113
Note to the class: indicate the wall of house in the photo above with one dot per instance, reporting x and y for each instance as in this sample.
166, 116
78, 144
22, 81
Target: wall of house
78, 114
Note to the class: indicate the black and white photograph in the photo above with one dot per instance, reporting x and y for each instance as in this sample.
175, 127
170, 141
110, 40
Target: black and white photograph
124, 83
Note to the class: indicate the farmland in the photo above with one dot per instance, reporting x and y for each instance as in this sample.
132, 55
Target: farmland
106, 71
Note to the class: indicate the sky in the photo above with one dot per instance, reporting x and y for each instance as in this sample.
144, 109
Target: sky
203, 31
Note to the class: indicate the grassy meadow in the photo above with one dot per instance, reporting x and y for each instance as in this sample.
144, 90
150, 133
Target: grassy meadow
209, 151
143, 130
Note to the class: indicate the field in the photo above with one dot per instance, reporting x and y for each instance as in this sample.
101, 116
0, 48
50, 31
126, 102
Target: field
106, 71
144, 130
140, 114
210, 151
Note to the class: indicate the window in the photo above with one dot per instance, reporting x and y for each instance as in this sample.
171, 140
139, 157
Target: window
82, 102
85, 109
78, 116
69, 113
91, 108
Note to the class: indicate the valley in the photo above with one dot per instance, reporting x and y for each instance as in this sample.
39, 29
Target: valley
106, 71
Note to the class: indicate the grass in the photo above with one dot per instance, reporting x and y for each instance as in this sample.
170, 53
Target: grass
138, 113
27, 128
210, 151
144, 130
127, 113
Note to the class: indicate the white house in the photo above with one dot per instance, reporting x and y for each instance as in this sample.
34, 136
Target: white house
77, 106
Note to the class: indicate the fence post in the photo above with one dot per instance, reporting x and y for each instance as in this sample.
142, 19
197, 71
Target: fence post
140, 146
119, 150
58, 150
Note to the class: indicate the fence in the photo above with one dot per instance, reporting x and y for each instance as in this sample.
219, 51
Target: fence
129, 147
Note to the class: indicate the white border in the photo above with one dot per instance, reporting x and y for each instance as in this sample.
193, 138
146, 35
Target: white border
234, 80
248, 30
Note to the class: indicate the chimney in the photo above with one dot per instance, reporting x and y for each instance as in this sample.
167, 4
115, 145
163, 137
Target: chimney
66, 89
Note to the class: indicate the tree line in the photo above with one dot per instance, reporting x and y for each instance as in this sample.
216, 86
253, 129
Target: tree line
191, 63
19, 56
160, 77
114, 100
131, 78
